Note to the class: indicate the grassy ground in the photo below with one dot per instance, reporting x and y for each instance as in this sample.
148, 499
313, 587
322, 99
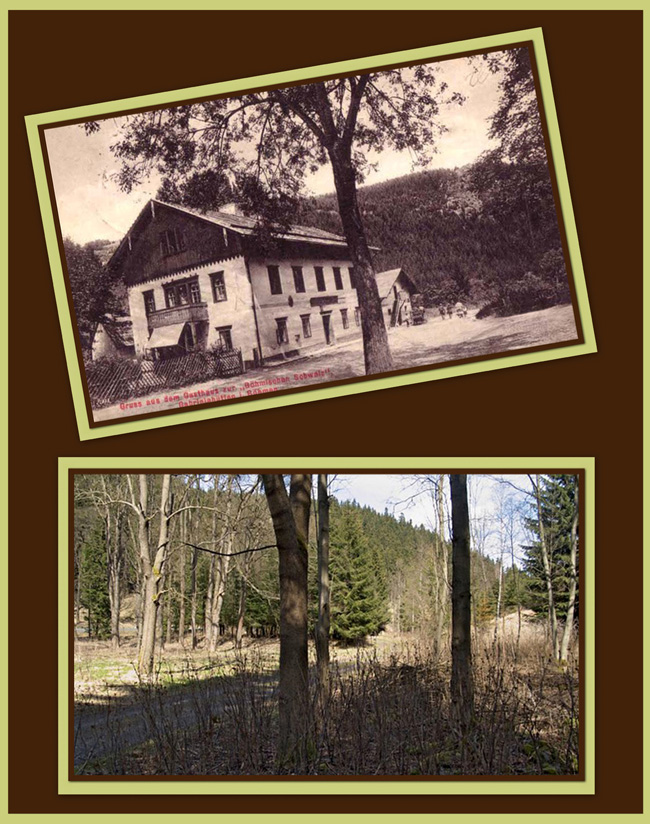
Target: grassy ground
437, 341
388, 712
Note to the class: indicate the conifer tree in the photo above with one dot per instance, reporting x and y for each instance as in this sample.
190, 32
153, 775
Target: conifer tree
557, 499
358, 595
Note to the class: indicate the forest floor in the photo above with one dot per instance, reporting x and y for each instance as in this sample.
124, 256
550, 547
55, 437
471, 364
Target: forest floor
434, 342
114, 710
388, 712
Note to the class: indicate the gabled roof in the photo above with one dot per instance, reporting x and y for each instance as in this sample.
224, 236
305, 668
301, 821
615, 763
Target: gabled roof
385, 281
246, 226
240, 224
118, 329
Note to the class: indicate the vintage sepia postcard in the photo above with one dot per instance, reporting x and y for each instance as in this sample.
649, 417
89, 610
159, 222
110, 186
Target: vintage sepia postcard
310, 234
311, 629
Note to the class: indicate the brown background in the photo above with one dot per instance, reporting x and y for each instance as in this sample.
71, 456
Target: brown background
590, 405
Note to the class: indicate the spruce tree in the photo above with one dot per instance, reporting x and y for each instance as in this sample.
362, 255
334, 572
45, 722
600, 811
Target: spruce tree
358, 593
557, 494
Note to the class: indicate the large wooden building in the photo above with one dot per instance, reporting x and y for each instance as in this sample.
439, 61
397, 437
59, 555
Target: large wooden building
203, 280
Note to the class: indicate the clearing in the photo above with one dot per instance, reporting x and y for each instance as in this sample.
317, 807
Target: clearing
437, 341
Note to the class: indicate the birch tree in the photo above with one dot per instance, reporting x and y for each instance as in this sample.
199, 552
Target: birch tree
323, 623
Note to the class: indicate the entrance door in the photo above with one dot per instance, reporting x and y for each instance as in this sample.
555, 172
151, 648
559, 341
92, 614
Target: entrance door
327, 328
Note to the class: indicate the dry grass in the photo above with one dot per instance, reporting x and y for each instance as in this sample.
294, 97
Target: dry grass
388, 713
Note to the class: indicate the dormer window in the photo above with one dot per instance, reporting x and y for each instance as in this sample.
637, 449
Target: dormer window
172, 241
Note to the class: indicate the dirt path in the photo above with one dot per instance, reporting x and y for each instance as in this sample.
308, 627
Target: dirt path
436, 341
108, 730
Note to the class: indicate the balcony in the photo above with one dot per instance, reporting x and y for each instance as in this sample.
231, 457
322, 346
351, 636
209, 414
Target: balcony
178, 314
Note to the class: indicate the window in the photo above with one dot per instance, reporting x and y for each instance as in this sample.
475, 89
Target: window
225, 337
274, 280
338, 280
320, 278
180, 294
357, 316
306, 326
298, 279
172, 241
149, 302
218, 287
344, 318
353, 277
282, 333
170, 296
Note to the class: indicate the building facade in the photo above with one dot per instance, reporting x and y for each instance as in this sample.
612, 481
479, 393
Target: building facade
200, 281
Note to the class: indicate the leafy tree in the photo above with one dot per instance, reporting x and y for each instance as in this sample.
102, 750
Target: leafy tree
92, 290
295, 131
358, 605
204, 191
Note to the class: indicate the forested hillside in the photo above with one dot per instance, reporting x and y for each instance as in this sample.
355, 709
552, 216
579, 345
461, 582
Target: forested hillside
381, 564
486, 234
399, 573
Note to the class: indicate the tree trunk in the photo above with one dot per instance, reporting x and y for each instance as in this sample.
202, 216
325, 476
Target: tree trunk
462, 690
441, 571
209, 595
323, 624
376, 350
114, 522
568, 624
153, 571
242, 613
497, 617
193, 627
181, 605
290, 516
517, 593
546, 561
168, 608
115, 559
223, 567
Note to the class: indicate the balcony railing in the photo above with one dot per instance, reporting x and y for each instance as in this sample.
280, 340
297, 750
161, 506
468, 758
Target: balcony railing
178, 314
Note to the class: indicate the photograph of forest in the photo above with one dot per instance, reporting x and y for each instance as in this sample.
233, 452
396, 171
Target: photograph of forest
325, 624
322, 232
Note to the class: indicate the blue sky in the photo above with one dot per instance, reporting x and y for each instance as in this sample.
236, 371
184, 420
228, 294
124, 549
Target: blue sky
410, 495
